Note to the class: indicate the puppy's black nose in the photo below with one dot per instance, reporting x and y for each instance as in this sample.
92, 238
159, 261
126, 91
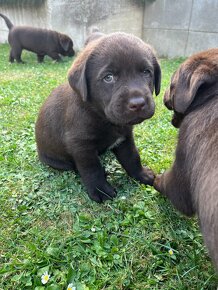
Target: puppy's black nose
136, 104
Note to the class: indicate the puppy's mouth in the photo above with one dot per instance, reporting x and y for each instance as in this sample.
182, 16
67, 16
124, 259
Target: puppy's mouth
136, 121
177, 119
128, 119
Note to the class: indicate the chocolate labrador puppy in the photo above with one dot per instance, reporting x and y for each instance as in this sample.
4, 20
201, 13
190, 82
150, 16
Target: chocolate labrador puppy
95, 34
110, 89
192, 182
41, 41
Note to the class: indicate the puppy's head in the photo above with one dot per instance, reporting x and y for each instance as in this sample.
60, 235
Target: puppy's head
67, 45
192, 84
117, 74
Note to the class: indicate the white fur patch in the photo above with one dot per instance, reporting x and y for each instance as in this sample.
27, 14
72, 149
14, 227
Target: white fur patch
117, 143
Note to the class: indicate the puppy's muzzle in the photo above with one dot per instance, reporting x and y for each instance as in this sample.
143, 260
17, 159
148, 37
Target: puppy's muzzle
140, 108
168, 102
136, 104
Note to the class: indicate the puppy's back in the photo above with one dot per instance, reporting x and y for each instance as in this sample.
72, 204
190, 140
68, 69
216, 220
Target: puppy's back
199, 142
30, 37
51, 117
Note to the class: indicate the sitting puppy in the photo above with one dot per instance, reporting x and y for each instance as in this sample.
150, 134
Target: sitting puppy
110, 89
41, 41
192, 182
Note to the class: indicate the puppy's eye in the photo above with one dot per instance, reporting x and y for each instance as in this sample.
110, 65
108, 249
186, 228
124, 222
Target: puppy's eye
108, 78
146, 72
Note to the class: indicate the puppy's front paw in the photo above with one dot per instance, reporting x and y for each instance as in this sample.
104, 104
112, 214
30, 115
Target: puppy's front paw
157, 182
102, 192
146, 176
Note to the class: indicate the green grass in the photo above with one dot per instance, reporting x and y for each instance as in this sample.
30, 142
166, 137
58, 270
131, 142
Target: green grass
48, 223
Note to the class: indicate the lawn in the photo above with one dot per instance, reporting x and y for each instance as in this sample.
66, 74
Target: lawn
48, 223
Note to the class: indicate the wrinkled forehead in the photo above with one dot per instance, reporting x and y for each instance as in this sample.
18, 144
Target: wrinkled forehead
202, 62
122, 51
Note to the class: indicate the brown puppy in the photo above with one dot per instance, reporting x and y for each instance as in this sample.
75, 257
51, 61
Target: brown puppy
110, 89
95, 34
192, 182
41, 41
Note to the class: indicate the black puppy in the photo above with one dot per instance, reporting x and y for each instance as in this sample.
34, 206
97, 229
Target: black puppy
110, 89
41, 41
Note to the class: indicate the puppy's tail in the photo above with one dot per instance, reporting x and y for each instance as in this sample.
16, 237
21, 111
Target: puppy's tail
7, 21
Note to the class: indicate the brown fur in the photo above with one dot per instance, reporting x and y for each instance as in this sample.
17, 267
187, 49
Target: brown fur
41, 41
192, 182
110, 89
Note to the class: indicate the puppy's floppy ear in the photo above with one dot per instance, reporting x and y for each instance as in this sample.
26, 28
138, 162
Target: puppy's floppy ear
77, 77
189, 84
157, 70
157, 77
64, 42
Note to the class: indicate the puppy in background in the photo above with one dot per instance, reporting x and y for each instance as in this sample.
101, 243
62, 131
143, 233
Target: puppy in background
192, 182
110, 89
41, 41
93, 35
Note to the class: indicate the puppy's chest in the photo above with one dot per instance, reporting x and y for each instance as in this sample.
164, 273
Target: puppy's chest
117, 142
109, 141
